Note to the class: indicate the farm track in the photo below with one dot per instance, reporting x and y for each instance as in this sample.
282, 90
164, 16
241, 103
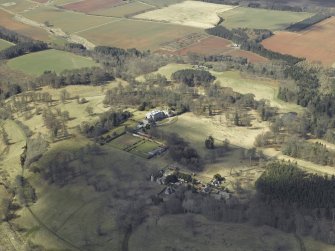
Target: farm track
74, 38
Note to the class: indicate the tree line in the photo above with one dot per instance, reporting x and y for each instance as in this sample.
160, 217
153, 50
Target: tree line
308, 22
240, 37
84, 76
107, 121
317, 152
22, 48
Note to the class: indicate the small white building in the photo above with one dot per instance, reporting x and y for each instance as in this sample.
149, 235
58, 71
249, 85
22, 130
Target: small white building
156, 115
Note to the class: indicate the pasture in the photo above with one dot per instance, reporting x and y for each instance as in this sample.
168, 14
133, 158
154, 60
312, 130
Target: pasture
87, 6
189, 13
123, 10
49, 60
5, 44
161, 3
66, 20
138, 34
7, 20
315, 43
255, 18
17, 6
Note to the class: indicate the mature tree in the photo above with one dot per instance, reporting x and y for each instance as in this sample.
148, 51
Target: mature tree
209, 143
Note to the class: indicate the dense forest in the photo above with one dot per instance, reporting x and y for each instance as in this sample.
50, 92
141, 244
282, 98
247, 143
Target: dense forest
286, 183
192, 77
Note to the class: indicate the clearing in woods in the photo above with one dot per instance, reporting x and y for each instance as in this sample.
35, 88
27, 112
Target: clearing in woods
262, 88
255, 18
5, 44
315, 43
49, 60
189, 13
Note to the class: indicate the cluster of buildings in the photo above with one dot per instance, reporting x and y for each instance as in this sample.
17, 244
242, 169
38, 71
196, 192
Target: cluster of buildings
163, 177
152, 117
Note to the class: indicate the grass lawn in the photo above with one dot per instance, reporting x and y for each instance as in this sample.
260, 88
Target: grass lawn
261, 88
253, 18
124, 141
53, 60
5, 44
143, 148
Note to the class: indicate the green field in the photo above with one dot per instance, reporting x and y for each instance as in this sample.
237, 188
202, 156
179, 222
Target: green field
136, 34
66, 20
17, 6
161, 3
124, 10
49, 60
134, 145
4, 44
253, 18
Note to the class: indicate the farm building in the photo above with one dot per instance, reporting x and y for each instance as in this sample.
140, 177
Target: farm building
156, 115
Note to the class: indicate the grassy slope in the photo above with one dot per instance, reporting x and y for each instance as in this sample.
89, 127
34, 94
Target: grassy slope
175, 232
54, 60
243, 17
4, 44
75, 211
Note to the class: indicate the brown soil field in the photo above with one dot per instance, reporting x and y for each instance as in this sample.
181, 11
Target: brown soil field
252, 57
215, 46
316, 44
208, 46
7, 20
92, 5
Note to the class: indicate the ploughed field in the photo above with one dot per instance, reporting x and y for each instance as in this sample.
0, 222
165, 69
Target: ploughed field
315, 43
207, 45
